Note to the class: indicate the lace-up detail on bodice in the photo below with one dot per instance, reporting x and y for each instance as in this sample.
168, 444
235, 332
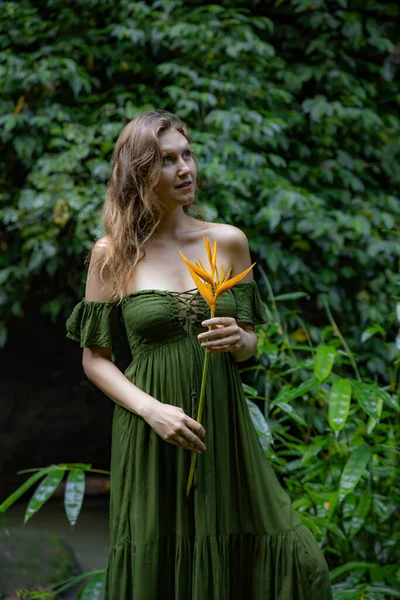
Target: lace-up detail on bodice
158, 317
189, 309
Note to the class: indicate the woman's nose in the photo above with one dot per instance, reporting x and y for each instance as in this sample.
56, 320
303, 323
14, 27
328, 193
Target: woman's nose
183, 167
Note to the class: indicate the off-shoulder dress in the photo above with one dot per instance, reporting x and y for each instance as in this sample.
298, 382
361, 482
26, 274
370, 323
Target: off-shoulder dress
236, 536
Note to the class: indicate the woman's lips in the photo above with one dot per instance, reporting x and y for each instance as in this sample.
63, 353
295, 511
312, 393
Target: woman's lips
187, 186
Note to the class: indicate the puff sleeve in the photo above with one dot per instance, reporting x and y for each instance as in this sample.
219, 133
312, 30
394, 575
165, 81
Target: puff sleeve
93, 323
249, 305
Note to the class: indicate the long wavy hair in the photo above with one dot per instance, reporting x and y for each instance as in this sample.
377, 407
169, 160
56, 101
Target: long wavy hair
132, 210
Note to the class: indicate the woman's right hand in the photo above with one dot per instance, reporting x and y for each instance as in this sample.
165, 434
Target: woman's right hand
174, 426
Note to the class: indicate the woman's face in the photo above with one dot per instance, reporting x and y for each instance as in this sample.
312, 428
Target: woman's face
178, 167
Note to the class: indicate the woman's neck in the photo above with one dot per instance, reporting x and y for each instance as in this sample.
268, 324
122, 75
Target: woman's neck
173, 223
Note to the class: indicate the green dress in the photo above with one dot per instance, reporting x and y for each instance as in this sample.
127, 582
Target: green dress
236, 537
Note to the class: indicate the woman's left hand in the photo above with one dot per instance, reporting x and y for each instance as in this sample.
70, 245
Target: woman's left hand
225, 335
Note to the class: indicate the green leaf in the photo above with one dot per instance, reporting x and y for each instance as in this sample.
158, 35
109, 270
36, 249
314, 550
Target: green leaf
348, 568
371, 331
383, 589
372, 423
260, 424
325, 523
339, 403
81, 466
249, 391
324, 360
66, 584
271, 350
388, 399
93, 589
291, 296
376, 574
289, 410
288, 393
397, 340
332, 501
310, 523
44, 491
354, 470
367, 396
355, 593
74, 493
23, 488
360, 514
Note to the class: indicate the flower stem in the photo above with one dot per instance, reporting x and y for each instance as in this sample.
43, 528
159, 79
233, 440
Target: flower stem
199, 414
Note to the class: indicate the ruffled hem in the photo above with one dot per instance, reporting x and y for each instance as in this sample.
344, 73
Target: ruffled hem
225, 567
93, 323
249, 305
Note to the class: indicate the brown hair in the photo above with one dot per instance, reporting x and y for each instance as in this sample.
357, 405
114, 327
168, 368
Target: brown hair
132, 211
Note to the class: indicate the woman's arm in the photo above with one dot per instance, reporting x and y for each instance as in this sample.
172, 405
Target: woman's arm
101, 371
170, 422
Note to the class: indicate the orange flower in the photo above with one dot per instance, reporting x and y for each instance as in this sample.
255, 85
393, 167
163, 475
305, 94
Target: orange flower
209, 283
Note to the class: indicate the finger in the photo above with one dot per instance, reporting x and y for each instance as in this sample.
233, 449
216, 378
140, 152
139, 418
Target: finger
224, 321
194, 440
173, 442
215, 333
226, 341
196, 426
184, 443
223, 349
181, 442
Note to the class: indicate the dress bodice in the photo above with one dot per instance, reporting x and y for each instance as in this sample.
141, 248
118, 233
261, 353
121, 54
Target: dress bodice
155, 317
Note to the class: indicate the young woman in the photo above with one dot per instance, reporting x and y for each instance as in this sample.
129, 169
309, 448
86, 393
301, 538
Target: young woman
235, 537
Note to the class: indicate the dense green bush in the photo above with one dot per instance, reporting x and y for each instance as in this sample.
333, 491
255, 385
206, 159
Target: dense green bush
332, 435
294, 110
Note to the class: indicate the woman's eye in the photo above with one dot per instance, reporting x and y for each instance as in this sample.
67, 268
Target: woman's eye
186, 154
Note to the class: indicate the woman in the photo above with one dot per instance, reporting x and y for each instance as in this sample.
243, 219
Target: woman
235, 537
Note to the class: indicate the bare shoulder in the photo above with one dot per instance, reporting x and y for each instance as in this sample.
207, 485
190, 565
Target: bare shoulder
97, 256
98, 289
234, 247
229, 235
100, 247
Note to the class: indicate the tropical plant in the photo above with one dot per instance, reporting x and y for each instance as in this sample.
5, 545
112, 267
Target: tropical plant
50, 478
332, 436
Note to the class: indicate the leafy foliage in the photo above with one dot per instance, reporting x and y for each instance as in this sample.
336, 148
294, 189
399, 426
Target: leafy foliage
51, 477
333, 438
294, 110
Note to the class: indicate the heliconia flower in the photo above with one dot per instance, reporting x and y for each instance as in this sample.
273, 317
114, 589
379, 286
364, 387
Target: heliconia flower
209, 283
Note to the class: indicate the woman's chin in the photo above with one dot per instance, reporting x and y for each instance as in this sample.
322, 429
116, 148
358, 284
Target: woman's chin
183, 200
